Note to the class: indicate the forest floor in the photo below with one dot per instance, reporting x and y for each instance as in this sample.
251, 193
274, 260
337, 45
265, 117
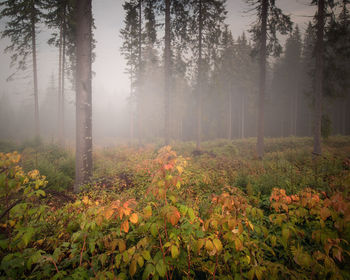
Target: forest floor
176, 213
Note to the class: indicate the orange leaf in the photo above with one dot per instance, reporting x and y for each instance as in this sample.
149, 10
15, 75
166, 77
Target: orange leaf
108, 213
238, 244
134, 218
125, 226
325, 213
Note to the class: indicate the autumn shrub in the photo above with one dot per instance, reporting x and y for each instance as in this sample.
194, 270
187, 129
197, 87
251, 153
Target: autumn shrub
184, 218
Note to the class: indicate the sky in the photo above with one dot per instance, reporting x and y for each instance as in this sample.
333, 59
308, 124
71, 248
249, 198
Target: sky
109, 66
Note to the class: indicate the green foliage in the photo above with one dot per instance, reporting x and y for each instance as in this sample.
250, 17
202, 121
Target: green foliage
181, 217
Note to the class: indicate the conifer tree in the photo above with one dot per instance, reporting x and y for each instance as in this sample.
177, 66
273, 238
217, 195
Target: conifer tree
84, 45
22, 18
270, 20
207, 17
58, 16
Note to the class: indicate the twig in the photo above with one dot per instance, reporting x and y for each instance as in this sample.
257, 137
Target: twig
216, 264
53, 261
82, 250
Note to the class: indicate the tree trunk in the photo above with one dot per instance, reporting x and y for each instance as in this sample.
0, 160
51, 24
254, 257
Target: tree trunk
35, 75
83, 165
229, 123
200, 76
262, 78
319, 78
139, 97
167, 73
242, 116
59, 86
62, 81
131, 131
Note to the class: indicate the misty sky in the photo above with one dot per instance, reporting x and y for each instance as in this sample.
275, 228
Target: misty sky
109, 66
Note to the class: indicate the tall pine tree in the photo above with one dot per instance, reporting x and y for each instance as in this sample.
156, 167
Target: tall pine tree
22, 18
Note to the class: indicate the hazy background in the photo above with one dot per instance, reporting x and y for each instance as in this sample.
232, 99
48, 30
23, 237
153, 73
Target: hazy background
110, 83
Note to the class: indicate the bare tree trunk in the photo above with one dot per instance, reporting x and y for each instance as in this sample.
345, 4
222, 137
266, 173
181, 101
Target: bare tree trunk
35, 75
131, 131
83, 164
262, 78
319, 78
229, 123
139, 96
167, 73
242, 116
59, 106
200, 76
62, 81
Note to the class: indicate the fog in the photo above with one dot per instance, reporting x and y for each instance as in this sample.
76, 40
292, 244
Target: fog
116, 116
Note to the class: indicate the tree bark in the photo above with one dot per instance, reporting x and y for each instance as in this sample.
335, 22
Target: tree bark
229, 123
319, 78
167, 73
139, 99
59, 85
83, 165
62, 80
262, 78
35, 75
242, 116
200, 76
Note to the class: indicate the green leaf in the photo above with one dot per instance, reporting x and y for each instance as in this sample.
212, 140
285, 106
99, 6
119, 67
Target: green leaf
154, 230
191, 214
174, 251
149, 270
27, 236
146, 255
217, 244
161, 268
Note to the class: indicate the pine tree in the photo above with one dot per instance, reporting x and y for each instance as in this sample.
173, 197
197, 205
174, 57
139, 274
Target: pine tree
320, 17
84, 44
22, 18
58, 16
270, 21
206, 25
131, 51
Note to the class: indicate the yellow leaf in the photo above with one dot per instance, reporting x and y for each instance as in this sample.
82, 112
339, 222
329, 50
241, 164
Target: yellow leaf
179, 169
217, 244
209, 245
174, 251
134, 218
147, 212
125, 226
85, 200
121, 245
132, 268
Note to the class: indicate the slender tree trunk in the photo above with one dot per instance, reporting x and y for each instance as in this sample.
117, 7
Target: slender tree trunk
319, 78
262, 79
242, 116
62, 81
296, 108
140, 97
59, 86
229, 123
167, 73
35, 75
83, 165
200, 76
131, 132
